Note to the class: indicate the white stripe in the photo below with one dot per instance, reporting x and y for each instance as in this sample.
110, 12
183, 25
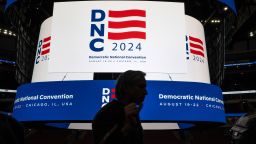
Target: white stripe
239, 92
8, 91
127, 19
146, 126
197, 49
45, 48
126, 30
85, 126
194, 42
160, 126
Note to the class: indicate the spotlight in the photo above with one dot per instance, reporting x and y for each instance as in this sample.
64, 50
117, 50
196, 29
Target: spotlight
225, 8
251, 34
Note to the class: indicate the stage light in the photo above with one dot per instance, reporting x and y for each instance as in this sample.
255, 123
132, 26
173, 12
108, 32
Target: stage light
251, 34
225, 8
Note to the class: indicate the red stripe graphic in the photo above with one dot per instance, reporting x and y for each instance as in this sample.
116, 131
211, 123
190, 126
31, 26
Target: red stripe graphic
47, 39
126, 24
197, 52
113, 96
127, 13
46, 45
45, 51
126, 35
196, 46
195, 40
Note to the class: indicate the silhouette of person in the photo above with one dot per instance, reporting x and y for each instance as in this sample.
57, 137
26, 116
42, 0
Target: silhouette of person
118, 122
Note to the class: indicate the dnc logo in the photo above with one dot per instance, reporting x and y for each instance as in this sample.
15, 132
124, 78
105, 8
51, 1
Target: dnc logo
108, 94
43, 50
121, 25
195, 47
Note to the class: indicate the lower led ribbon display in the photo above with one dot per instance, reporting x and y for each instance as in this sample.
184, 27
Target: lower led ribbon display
80, 100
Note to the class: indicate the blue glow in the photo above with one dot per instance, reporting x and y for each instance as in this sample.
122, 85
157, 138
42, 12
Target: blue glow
7, 61
234, 114
230, 3
8, 3
239, 64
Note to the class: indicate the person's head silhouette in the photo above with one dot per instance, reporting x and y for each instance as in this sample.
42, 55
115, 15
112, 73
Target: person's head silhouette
131, 87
